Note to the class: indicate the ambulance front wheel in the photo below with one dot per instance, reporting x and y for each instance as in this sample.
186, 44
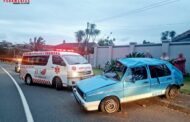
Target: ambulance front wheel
28, 80
57, 83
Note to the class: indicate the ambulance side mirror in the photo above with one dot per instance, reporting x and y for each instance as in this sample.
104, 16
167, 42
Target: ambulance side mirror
63, 63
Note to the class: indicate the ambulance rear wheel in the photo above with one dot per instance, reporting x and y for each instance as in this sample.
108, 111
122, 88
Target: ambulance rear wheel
58, 83
28, 80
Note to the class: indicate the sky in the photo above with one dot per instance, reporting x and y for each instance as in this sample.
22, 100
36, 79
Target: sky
127, 20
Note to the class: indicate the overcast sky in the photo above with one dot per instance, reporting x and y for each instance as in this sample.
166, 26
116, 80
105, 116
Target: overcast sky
57, 20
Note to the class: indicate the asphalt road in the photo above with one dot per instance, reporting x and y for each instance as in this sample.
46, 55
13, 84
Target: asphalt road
47, 104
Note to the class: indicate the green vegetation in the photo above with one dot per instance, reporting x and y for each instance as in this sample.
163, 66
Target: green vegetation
97, 71
186, 88
106, 42
136, 55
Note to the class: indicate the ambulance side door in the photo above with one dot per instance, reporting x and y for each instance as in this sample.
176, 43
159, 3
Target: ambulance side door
58, 68
40, 66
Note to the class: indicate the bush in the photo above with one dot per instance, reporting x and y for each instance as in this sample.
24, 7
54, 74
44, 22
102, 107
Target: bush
136, 55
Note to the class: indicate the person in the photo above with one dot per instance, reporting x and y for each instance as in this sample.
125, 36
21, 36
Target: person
180, 63
148, 55
164, 57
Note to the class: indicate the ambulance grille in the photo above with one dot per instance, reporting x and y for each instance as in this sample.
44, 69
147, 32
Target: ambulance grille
85, 72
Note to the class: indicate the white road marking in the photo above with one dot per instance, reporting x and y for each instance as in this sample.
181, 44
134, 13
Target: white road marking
23, 99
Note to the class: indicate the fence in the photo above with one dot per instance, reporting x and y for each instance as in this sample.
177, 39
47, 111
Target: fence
103, 54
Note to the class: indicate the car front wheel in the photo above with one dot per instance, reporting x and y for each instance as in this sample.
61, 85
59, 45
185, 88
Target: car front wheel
110, 105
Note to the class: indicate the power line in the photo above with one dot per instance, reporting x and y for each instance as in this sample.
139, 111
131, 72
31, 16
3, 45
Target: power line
139, 10
153, 26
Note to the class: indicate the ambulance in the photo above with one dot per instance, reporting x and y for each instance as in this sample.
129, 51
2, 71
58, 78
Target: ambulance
54, 68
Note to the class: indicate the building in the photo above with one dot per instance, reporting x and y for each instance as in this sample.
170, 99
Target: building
184, 37
6, 44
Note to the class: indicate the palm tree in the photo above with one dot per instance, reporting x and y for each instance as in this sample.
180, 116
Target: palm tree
91, 32
96, 32
85, 36
79, 35
172, 34
164, 35
37, 43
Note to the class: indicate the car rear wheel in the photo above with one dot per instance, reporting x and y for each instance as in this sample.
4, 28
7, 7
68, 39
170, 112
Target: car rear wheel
58, 83
172, 92
109, 105
28, 80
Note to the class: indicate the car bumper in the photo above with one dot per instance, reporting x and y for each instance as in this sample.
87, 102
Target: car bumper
89, 106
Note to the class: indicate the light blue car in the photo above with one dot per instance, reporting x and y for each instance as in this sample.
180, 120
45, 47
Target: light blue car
129, 80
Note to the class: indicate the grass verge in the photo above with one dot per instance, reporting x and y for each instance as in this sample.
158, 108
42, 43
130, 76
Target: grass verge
97, 71
186, 88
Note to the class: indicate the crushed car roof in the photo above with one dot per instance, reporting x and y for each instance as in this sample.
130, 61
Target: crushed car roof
133, 62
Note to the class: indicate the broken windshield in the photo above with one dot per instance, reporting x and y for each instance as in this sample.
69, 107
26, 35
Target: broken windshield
115, 71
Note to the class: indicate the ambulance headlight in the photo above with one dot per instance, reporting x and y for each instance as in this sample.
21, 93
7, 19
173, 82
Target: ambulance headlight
75, 74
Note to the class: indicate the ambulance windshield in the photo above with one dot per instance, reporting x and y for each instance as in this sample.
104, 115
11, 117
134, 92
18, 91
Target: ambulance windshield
75, 59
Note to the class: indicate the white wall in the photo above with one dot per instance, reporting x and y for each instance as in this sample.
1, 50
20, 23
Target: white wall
184, 48
154, 50
104, 54
120, 52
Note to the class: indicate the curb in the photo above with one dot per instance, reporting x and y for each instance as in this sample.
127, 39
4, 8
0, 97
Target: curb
171, 105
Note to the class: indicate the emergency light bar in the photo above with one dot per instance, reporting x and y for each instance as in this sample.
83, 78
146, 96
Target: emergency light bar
64, 50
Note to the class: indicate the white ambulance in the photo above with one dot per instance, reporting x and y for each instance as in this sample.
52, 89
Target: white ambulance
54, 68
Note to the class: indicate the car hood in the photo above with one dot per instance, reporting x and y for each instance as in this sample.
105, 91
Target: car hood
94, 83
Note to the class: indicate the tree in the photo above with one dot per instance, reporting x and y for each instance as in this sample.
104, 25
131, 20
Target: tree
168, 34
164, 35
136, 55
146, 42
37, 43
91, 32
106, 42
79, 35
172, 34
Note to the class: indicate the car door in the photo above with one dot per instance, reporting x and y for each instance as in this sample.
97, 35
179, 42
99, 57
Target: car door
137, 85
160, 78
58, 68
